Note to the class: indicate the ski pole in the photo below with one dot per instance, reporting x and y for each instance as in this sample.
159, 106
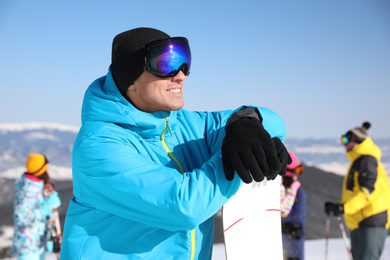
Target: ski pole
327, 236
344, 237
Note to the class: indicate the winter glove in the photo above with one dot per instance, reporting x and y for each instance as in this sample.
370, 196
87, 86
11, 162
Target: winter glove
335, 208
283, 155
292, 230
248, 148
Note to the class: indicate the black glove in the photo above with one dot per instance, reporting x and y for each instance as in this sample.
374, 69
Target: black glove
287, 181
248, 148
283, 155
292, 230
335, 208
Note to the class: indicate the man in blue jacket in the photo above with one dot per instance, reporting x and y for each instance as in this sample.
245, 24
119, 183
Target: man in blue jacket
148, 176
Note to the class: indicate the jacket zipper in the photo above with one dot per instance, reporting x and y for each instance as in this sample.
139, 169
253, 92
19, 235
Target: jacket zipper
162, 138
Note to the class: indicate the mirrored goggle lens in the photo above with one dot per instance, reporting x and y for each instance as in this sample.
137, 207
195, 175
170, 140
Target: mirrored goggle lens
165, 58
344, 139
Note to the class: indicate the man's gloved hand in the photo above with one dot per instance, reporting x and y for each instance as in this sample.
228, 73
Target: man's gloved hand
249, 150
283, 155
335, 208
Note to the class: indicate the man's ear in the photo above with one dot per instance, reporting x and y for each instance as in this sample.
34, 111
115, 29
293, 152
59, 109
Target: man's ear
132, 87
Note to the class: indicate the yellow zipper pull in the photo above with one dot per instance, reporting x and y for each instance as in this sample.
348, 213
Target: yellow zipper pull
166, 122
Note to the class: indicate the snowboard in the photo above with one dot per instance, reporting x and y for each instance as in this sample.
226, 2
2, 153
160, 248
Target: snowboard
54, 221
252, 222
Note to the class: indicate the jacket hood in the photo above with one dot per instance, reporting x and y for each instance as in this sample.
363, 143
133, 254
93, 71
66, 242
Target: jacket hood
295, 162
24, 183
104, 103
367, 147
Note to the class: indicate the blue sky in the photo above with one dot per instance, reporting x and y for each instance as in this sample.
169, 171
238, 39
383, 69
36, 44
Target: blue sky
323, 66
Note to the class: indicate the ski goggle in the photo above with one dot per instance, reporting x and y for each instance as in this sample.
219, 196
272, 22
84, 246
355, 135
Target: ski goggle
165, 58
297, 170
344, 139
348, 137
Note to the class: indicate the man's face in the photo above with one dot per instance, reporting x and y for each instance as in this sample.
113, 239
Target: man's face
350, 145
151, 93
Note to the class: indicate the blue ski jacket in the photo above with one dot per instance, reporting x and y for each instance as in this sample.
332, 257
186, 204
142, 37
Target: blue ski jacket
30, 225
146, 185
31, 216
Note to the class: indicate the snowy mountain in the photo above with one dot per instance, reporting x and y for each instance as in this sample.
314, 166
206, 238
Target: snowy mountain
329, 155
56, 141
19, 140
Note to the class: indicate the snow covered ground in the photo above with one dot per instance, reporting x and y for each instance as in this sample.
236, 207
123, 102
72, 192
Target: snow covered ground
314, 250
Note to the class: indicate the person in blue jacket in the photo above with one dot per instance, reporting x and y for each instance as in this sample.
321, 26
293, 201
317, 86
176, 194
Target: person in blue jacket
148, 176
32, 210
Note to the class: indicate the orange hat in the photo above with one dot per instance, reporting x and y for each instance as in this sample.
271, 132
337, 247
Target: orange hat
36, 164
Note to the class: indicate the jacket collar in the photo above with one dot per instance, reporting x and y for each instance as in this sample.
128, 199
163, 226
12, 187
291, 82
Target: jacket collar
367, 147
103, 102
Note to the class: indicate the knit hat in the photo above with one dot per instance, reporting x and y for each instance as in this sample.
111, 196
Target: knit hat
358, 134
36, 164
293, 165
128, 55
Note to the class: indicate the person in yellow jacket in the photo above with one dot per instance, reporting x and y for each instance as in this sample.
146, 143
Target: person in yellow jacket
365, 199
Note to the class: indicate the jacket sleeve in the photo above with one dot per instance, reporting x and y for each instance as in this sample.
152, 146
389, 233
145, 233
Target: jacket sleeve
287, 197
272, 122
113, 176
366, 179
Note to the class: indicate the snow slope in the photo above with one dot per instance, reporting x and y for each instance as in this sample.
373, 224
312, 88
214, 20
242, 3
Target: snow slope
314, 250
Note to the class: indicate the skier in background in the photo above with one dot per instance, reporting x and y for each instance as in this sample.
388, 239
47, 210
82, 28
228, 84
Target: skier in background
32, 211
148, 176
54, 235
293, 211
365, 200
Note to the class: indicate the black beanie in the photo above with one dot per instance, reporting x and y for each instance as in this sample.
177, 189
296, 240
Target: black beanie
128, 56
